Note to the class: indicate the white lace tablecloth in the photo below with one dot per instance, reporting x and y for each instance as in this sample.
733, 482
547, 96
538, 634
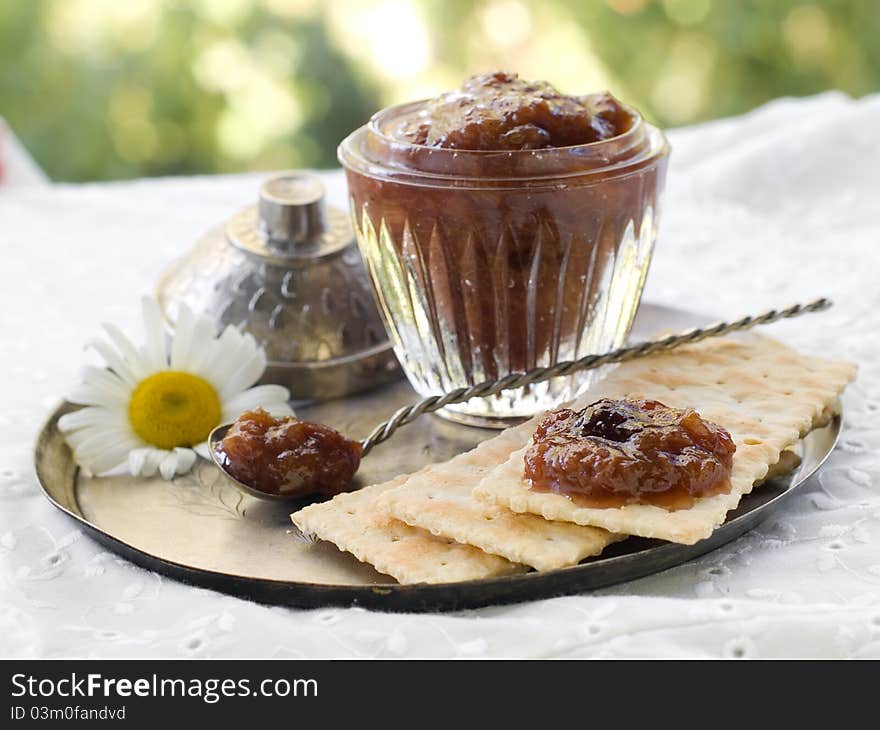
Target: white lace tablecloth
778, 206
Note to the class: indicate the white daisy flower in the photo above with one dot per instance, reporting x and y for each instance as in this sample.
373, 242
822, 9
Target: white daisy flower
154, 406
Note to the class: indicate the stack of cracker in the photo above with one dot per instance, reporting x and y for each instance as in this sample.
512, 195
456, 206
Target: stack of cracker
474, 516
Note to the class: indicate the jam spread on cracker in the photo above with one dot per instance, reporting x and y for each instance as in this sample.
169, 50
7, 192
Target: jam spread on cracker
500, 111
617, 452
286, 456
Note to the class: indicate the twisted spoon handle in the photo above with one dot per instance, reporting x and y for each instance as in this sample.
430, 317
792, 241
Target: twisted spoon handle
407, 414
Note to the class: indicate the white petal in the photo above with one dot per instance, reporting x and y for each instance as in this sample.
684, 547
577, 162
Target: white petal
185, 460
204, 363
182, 338
279, 410
251, 347
104, 454
201, 351
76, 438
261, 395
137, 459
151, 463
139, 367
154, 351
246, 375
115, 361
203, 450
111, 457
230, 351
168, 465
101, 381
89, 442
90, 374
98, 395
92, 440
107, 380
91, 416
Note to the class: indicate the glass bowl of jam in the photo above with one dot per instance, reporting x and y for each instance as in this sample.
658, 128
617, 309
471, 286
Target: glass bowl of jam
505, 226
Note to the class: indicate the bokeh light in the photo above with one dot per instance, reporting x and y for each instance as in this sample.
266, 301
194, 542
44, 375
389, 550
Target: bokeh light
105, 89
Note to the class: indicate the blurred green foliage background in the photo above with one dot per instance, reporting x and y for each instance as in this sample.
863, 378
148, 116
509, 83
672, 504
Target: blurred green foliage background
106, 89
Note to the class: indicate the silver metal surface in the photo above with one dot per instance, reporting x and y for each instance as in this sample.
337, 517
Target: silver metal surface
288, 271
292, 212
201, 529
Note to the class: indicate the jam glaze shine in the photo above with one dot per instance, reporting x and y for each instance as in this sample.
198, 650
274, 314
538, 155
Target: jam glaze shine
629, 451
500, 111
288, 457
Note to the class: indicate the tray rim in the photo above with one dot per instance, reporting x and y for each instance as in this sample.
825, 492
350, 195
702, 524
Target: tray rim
421, 597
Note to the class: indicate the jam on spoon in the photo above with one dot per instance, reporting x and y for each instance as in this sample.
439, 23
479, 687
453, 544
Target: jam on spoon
288, 457
623, 451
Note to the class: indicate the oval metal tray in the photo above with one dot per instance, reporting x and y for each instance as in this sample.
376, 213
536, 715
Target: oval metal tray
201, 530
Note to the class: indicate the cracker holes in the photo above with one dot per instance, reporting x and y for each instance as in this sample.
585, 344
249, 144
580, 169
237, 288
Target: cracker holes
489, 518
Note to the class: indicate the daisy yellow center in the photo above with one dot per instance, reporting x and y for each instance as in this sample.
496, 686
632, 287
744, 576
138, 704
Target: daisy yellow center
173, 408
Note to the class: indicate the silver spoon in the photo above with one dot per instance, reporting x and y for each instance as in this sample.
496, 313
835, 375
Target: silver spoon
432, 403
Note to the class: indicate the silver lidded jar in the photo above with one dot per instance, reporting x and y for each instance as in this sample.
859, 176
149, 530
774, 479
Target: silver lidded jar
491, 262
288, 271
